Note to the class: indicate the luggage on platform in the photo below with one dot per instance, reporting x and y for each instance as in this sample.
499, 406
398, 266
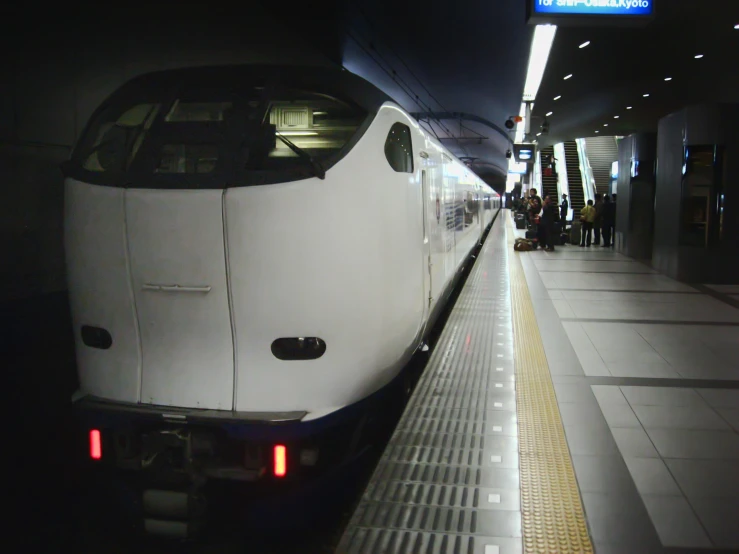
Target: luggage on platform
523, 245
576, 233
520, 220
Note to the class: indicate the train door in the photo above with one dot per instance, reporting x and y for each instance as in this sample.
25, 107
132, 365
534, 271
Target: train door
427, 281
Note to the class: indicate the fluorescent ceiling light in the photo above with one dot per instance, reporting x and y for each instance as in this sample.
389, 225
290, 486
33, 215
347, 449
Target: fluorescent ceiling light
605, 125
557, 97
616, 116
597, 131
297, 133
541, 46
668, 78
568, 76
584, 44
550, 113
736, 26
628, 107
538, 134
698, 56
646, 95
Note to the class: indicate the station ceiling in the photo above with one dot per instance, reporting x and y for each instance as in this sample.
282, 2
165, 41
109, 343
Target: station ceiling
621, 65
473, 57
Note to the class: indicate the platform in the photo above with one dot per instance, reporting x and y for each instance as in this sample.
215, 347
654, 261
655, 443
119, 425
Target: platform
576, 401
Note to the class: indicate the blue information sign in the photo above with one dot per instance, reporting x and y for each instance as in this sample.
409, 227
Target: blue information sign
594, 7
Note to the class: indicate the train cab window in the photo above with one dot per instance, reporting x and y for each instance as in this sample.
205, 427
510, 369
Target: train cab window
216, 135
302, 128
117, 137
182, 112
187, 158
398, 148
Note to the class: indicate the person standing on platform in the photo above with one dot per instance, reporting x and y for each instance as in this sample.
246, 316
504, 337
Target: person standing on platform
533, 207
564, 209
587, 216
608, 221
549, 216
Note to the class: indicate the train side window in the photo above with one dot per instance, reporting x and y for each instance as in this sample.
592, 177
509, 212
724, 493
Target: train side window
398, 148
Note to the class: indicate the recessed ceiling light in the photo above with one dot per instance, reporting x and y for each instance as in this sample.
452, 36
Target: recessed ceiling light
698, 56
616, 116
646, 96
550, 113
557, 97
584, 44
628, 107
668, 78
568, 76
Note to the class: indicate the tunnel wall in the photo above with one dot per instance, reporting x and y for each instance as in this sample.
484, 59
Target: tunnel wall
693, 126
59, 74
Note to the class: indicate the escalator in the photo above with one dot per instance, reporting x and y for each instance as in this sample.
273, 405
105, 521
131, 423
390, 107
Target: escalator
602, 152
574, 178
548, 182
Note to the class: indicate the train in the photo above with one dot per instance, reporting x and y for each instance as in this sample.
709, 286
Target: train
254, 253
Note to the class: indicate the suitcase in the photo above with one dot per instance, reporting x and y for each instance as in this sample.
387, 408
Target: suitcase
531, 234
557, 234
520, 221
576, 233
564, 238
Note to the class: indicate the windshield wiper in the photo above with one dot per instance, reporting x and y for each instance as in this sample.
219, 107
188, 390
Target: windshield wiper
315, 164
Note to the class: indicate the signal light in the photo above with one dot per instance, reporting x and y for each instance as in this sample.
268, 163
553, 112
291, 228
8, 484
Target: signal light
96, 445
280, 460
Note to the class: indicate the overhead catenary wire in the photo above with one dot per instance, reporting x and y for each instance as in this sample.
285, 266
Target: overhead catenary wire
373, 27
393, 74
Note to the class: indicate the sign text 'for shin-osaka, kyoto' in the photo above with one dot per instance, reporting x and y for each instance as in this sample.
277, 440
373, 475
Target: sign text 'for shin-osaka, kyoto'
594, 7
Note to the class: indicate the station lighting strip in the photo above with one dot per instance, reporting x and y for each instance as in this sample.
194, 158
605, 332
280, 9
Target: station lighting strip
541, 47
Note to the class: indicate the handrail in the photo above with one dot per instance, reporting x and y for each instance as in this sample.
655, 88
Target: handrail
586, 170
537, 180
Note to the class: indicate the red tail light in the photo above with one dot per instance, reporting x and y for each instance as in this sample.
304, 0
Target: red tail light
280, 461
96, 445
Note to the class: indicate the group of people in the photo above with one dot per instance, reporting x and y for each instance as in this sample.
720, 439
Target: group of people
548, 214
598, 216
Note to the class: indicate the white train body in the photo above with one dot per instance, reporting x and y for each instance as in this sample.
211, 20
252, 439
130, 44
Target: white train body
184, 285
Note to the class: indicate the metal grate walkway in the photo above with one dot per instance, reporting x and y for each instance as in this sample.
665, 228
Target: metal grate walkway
448, 481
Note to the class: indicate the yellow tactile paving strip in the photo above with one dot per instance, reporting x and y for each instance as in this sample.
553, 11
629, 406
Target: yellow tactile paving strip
552, 514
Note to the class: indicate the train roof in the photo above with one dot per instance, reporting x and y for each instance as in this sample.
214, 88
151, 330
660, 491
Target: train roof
329, 80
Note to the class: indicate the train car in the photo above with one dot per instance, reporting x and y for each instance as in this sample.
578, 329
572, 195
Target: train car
254, 254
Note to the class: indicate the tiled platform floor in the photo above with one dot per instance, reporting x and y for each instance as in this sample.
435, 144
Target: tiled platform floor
647, 378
